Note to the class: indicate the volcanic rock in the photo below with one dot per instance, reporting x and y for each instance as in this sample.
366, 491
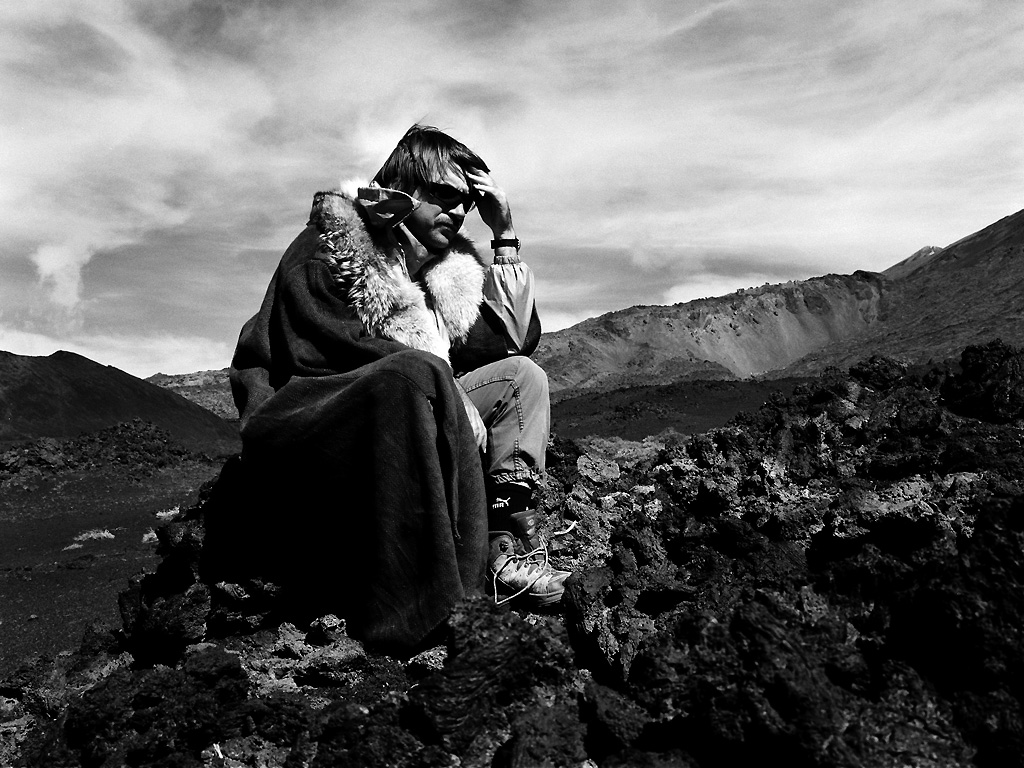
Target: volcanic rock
832, 580
990, 385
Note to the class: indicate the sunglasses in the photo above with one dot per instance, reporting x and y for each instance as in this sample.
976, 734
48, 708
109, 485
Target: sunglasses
448, 197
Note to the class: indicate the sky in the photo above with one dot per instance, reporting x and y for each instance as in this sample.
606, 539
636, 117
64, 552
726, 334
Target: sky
158, 156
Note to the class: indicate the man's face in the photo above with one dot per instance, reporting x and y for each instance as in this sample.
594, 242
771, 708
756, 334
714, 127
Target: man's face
440, 214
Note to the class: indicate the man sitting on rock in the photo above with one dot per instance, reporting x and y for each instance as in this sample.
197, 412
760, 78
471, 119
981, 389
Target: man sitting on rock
387, 361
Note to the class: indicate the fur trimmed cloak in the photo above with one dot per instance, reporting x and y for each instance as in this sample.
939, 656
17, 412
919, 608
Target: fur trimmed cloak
361, 485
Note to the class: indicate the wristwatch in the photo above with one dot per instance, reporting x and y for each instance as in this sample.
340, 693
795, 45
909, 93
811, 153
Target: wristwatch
508, 242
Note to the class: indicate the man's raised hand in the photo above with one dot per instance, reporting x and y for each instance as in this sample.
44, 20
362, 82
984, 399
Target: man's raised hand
492, 202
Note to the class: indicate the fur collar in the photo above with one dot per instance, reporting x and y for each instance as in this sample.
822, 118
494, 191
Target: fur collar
368, 266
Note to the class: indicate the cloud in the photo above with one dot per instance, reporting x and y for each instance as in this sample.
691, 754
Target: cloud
575, 283
59, 266
113, 138
159, 155
70, 53
788, 126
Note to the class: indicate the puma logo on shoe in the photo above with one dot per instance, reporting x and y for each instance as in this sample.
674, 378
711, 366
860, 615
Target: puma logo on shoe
500, 502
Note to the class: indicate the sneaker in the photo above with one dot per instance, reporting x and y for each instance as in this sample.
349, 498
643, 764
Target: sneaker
524, 574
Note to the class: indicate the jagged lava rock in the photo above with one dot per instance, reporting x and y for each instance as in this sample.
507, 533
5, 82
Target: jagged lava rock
832, 580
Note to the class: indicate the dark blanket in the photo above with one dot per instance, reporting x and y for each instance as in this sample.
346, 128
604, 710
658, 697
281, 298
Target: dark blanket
363, 486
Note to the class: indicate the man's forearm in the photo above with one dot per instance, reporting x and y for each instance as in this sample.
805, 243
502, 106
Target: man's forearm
506, 250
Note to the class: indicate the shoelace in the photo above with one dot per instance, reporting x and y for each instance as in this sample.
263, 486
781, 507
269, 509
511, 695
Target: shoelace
541, 567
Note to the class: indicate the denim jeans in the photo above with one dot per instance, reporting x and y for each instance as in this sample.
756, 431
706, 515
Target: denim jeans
512, 397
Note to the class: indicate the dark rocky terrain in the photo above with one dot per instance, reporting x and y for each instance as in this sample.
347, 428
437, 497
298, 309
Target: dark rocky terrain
89, 456
925, 308
678, 409
77, 519
833, 579
66, 395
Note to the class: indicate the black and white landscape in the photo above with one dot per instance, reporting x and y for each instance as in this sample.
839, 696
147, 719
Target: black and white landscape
798, 525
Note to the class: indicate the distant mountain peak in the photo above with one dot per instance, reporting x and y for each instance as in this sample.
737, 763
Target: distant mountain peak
913, 262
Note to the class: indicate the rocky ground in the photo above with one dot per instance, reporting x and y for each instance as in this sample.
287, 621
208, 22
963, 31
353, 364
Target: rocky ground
77, 519
663, 410
832, 580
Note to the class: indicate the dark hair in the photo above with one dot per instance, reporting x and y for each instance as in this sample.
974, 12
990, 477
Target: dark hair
425, 155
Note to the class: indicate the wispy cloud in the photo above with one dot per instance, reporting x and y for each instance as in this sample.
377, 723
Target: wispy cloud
158, 155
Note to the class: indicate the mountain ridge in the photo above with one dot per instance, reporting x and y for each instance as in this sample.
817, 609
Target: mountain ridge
211, 389
966, 293
925, 307
739, 335
65, 395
